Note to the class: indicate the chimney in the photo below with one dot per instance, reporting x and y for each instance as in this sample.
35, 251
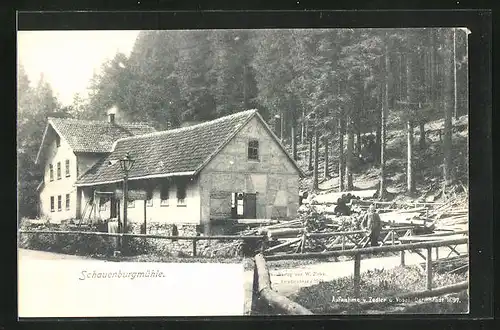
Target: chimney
277, 126
112, 114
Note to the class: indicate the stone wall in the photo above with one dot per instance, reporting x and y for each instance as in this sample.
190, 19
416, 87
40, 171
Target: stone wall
103, 245
168, 246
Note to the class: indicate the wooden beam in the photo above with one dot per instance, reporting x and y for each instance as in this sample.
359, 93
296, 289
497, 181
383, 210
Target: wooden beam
428, 269
436, 292
357, 274
274, 299
277, 247
452, 250
369, 250
282, 303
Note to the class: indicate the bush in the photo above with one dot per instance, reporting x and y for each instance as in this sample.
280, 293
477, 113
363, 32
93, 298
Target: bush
66, 243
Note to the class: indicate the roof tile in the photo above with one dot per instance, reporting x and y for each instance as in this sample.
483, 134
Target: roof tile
173, 151
96, 136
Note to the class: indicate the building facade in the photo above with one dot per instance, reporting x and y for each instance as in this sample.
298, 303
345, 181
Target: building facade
205, 174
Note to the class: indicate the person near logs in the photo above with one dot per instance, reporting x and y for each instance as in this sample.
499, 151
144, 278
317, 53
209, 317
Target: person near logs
342, 208
372, 224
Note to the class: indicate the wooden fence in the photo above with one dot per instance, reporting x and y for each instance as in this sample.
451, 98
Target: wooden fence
347, 239
357, 253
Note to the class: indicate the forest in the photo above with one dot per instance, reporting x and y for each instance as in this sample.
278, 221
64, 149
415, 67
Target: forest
325, 91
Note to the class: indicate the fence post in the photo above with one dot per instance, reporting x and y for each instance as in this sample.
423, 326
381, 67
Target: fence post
392, 234
402, 253
357, 274
343, 242
194, 247
428, 268
437, 252
303, 245
263, 244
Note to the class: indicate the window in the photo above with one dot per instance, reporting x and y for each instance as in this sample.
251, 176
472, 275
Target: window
58, 141
67, 168
59, 203
149, 198
58, 170
131, 203
164, 194
102, 203
253, 150
51, 172
181, 193
67, 202
52, 204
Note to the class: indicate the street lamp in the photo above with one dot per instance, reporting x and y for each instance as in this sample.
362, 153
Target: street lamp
126, 164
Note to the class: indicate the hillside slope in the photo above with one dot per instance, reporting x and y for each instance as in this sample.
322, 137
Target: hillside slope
427, 164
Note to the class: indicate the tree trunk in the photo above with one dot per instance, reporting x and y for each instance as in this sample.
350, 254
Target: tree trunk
358, 142
302, 128
349, 154
378, 129
421, 125
294, 142
282, 126
326, 172
433, 69
383, 120
341, 155
409, 170
310, 167
448, 108
316, 158
409, 123
466, 69
455, 107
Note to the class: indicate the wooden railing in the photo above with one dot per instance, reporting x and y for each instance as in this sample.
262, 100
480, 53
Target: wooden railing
357, 253
348, 239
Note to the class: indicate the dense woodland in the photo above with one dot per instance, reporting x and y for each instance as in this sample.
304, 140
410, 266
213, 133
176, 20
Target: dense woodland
324, 90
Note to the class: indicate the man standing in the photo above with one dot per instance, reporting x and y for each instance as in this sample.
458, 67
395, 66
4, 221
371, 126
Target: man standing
372, 224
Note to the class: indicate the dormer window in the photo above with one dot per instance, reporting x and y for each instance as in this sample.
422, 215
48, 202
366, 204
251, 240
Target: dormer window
253, 150
58, 141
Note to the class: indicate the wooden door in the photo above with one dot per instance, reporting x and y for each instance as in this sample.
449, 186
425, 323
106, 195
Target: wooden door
250, 206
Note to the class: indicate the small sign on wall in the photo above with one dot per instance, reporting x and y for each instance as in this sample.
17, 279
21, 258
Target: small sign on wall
132, 194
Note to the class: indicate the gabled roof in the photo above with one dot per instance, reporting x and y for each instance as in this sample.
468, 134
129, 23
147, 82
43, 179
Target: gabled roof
178, 152
91, 135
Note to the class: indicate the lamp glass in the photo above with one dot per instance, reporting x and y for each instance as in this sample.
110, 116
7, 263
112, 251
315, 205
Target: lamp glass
126, 163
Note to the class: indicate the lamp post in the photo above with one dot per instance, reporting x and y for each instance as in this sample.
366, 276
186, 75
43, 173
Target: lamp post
126, 164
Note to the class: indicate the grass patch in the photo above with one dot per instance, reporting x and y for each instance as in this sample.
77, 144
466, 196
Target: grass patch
377, 284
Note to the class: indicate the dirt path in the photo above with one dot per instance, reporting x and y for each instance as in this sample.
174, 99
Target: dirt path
25, 256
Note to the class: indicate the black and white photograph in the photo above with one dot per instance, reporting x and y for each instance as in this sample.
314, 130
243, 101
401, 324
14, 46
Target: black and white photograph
319, 171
